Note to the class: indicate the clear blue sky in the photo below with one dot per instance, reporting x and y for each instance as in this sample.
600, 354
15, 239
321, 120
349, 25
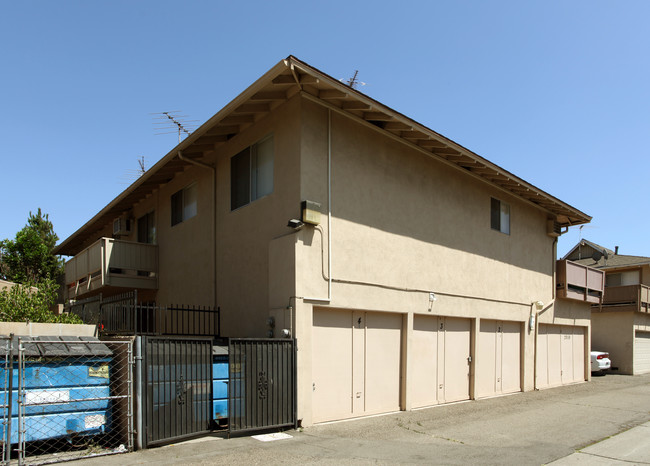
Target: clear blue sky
557, 92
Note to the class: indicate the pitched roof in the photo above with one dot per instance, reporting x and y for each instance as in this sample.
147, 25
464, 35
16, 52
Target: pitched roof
610, 261
585, 242
614, 261
286, 79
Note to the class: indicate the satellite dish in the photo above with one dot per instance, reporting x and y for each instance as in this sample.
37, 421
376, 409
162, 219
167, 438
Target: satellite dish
606, 254
596, 256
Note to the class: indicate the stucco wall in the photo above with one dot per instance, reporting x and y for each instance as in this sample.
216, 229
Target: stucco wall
404, 225
244, 235
401, 218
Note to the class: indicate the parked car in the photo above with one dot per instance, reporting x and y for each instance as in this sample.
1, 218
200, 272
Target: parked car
600, 362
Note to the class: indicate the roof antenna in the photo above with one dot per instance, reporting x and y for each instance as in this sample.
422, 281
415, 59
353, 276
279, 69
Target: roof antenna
353, 82
175, 123
131, 175
141, 163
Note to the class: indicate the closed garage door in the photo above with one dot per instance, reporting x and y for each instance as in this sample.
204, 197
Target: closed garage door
440, 360
641, 352
560, 355
356, 364
498, 359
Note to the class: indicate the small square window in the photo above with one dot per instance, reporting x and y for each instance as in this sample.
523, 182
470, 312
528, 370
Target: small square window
500, 216
251, 173
184, 204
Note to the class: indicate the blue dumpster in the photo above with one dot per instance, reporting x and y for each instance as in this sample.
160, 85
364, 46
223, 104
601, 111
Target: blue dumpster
220, 384
65, 386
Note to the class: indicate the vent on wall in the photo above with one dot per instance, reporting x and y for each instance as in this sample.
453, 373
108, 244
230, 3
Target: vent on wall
553, 228
121, 226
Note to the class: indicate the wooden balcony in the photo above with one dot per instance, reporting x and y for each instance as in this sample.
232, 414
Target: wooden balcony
112, 263
579, 282
628, 297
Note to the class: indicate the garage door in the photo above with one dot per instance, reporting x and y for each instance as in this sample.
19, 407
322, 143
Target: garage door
560, 355
356, 364
440, 360
641, 352
498, 359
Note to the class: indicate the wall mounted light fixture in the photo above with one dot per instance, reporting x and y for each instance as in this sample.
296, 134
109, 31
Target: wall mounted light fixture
295, 224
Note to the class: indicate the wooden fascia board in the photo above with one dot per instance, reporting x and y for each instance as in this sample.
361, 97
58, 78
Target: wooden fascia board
229, 108
396, 116
422, 150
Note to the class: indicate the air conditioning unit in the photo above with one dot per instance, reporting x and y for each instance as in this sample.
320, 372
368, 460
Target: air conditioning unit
553, 228
121, 226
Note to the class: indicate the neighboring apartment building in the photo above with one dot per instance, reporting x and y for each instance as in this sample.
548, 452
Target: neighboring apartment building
621, 326
427, 274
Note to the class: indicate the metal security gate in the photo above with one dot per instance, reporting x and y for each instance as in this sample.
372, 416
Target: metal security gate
177, 395
262, 384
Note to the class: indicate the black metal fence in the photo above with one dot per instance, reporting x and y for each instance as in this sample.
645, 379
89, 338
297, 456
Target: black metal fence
177, 392
87, 309
123, 315
262, 384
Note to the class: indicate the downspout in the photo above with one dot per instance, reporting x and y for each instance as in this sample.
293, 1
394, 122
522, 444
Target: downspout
329, 214
214, 214
536, 313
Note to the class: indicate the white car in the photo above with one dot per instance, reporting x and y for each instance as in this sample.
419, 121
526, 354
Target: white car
600, 362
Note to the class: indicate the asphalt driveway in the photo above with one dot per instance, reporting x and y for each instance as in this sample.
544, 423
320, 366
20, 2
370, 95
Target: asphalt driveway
526, 428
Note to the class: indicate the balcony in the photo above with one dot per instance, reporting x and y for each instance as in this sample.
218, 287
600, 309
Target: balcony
628, 297
579, 282
112, 263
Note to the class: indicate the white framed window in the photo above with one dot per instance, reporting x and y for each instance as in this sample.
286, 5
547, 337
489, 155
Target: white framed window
184, 204
251, 173
500, 216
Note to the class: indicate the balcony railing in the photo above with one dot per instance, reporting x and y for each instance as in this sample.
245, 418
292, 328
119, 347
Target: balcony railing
635, 297
112, 263
579, 282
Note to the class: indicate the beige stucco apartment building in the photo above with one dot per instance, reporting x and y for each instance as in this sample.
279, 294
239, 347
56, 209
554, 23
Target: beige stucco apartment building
419, 273
621, 326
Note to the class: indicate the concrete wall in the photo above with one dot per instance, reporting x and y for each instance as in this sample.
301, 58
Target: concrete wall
37, 329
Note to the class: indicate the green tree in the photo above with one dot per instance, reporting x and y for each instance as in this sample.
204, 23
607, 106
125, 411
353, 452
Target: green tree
28, 259
24, 303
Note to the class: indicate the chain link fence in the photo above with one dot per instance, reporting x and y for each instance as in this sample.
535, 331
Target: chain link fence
65, 398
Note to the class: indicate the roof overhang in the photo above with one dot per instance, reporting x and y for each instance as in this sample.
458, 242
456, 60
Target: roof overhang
282, 82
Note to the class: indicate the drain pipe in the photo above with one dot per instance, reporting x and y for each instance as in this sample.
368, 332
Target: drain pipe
214, 211
329, 214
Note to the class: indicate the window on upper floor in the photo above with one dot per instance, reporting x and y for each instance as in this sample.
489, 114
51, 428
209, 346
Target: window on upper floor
184, 204
500, 216
251, 173
625, 278
147, 229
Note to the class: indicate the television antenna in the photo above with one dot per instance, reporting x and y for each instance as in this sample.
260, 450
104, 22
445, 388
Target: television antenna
171, 122
133, 174
353, 82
